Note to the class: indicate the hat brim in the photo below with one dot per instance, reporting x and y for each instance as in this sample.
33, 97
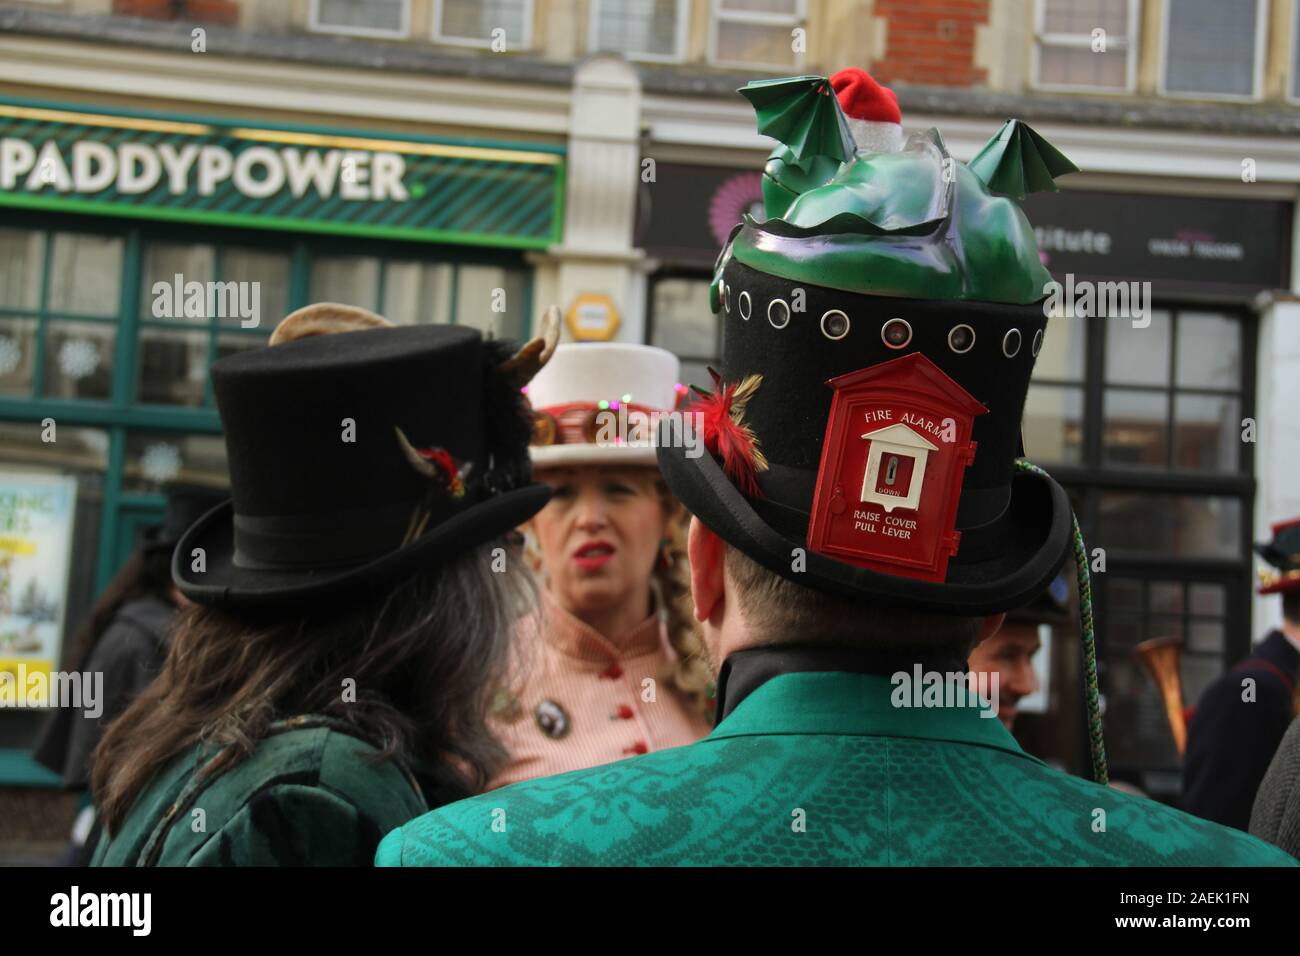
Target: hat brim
1036, 539
223, 583
565, 456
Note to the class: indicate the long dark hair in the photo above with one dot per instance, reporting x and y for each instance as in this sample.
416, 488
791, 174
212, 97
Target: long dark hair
426, 656
147, 573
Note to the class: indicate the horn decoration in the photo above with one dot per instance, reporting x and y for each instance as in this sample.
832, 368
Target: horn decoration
528, 361
325, 318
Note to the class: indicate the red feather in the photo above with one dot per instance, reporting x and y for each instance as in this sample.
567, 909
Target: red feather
441, 459
726, 437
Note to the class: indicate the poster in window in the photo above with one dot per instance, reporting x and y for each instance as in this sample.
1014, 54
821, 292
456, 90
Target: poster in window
36, 520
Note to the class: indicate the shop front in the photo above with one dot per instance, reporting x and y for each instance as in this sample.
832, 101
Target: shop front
1140, 416
136, 249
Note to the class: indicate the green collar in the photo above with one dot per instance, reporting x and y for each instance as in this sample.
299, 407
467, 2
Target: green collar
856, 705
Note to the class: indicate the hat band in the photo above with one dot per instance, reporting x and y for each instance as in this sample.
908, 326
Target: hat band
1270, 581
581, 423
275, 542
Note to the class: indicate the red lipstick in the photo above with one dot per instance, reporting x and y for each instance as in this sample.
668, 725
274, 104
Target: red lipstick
591, 555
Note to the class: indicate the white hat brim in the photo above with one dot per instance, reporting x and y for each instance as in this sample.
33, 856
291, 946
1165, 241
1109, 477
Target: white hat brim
557, 456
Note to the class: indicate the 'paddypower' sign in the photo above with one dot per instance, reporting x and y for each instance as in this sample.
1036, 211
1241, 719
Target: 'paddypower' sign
278, 177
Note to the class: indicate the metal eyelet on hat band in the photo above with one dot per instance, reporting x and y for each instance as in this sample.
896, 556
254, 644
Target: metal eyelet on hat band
961, 339
1038, 344
835, 325
779, 317
1010, 345
745, 306
896, 333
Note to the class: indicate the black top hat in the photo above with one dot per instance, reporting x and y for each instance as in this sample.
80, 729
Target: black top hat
877, 344
356, 458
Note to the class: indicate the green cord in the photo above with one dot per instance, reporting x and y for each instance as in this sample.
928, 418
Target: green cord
1095, 742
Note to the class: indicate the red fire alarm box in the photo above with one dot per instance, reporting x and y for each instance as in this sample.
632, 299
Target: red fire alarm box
897, 447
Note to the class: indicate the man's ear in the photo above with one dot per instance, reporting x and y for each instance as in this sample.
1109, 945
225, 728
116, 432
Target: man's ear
988, 627
705, 550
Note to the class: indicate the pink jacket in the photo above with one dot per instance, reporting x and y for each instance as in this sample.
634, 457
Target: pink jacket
583, 700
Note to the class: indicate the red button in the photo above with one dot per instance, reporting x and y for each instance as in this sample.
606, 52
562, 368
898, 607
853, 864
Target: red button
637, 748
625, 712
613, 672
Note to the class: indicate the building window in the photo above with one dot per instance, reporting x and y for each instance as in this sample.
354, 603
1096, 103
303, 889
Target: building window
493, 299
757, 33
1086, 44
1214, 48
682, 322
1053, 418
1172, 398
366, 18
1169, 396
641, 29
200, 302
154, 460
476, 22
1142, 425
59, 299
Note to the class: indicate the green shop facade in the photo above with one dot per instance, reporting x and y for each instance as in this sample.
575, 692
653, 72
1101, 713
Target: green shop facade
138, 248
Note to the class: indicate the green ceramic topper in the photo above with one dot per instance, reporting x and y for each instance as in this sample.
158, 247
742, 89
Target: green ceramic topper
915, 224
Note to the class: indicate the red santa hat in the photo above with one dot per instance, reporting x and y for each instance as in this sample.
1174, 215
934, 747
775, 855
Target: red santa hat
871, 109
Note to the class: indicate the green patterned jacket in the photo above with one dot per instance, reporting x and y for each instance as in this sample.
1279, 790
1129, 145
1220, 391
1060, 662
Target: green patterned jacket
308, 795
820, 769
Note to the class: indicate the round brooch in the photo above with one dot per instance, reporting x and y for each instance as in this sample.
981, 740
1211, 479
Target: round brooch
552, 719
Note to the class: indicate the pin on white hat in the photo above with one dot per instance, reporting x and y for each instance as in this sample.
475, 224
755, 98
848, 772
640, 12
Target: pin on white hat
593, 401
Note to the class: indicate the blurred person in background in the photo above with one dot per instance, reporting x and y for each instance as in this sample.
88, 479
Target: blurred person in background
124, 638
1241, 717
616, 668
1010, 652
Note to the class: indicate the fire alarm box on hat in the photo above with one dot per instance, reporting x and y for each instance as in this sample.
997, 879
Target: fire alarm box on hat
355, 600
862, 514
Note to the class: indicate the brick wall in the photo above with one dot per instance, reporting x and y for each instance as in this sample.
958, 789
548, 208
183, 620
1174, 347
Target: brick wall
931, 41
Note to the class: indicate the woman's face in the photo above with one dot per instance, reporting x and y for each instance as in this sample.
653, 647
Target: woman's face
600, 535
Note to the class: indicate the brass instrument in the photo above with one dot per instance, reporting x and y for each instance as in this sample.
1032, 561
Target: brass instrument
1160, 656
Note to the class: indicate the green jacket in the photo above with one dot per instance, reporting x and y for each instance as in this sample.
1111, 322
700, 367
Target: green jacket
309, 795
820, 769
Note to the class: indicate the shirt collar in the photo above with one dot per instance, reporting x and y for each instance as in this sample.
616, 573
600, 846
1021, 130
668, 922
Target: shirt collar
575, 638
747, 669
856, 705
